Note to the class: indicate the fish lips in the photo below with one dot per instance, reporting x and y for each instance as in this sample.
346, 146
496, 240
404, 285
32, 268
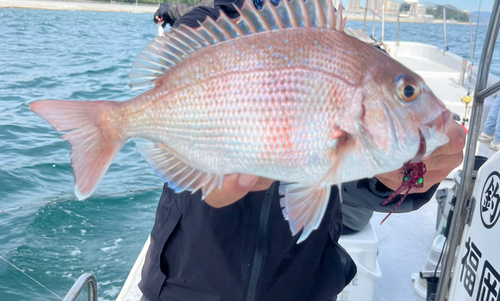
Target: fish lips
432, 135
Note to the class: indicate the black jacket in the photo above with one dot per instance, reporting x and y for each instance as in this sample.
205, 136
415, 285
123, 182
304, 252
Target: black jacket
245, 251
171, 12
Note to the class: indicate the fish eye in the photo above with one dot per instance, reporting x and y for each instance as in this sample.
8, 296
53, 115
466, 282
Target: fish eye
407, 88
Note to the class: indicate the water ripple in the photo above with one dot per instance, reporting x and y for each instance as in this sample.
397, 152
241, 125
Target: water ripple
66, 55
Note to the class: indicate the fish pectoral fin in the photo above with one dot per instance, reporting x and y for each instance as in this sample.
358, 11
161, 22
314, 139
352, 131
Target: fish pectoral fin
172, 168
304, 207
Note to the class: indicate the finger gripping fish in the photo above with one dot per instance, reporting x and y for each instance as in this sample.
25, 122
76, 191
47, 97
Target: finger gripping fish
279, 92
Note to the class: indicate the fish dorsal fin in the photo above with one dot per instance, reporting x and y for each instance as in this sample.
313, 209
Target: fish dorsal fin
174, 46
172, 169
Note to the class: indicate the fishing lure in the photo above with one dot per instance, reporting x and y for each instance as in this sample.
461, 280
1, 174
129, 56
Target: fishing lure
413, 178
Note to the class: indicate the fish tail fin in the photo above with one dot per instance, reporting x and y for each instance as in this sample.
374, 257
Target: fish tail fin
93, 138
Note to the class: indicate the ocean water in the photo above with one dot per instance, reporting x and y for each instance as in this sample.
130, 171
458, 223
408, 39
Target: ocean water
79, 55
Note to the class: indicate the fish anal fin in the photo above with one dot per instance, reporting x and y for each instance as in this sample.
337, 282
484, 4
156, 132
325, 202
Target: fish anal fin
174, 170
304, 207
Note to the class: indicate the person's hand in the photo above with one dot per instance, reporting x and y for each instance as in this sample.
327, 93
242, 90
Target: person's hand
439, 163
235, 187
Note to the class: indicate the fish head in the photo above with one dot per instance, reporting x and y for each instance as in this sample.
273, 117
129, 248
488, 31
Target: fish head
401, 119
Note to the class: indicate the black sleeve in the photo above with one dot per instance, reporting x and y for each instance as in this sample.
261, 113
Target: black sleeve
162, 12
200, 13
359, 194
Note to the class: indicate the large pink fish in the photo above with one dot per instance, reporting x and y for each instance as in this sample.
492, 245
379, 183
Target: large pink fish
280, 93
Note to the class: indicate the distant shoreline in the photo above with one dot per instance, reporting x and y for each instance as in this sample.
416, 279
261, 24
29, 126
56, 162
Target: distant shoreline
81, 5
408, 20
147, 8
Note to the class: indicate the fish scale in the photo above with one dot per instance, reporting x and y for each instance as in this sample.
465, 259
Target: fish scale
263, 57
291, 98
254, 131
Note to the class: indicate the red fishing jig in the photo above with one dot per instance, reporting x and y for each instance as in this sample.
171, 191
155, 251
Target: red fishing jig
413, 178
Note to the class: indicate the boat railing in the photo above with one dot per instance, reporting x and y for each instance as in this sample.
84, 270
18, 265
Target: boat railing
374, 14
448, 7
465, 189
85, 279
407, 9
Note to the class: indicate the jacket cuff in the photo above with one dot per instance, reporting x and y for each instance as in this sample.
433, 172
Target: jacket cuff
359, 194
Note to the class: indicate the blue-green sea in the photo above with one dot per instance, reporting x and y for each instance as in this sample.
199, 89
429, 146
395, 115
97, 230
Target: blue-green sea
87, 56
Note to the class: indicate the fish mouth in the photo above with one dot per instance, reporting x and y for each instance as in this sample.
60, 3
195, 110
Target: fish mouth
422, 148
432, 135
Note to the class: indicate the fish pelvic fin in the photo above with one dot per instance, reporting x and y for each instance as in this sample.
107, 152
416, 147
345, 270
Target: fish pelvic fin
167, 51
93, 139
304, 207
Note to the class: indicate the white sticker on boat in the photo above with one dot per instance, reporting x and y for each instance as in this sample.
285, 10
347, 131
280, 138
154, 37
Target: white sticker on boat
490, 200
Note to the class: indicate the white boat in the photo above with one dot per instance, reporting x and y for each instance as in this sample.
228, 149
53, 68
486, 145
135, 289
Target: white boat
389, 259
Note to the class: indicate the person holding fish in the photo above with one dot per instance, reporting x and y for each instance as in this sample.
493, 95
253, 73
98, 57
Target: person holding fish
256, 115
168, 13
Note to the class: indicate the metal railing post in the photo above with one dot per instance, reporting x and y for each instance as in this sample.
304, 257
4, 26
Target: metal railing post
444, 29
373, 23
463, 71
80, 284
383, 20
465, 189
364, 20
470, 38
397, 30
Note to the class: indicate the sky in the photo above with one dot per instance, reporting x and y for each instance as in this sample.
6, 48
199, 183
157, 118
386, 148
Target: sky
470, 5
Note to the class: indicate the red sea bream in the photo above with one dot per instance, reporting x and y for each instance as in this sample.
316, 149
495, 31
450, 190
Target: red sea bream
280, 92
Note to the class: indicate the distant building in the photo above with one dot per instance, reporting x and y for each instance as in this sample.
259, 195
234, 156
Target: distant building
391, 6
412, 8
406, 7
409, 7
421, 9
354, 5
375, 5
